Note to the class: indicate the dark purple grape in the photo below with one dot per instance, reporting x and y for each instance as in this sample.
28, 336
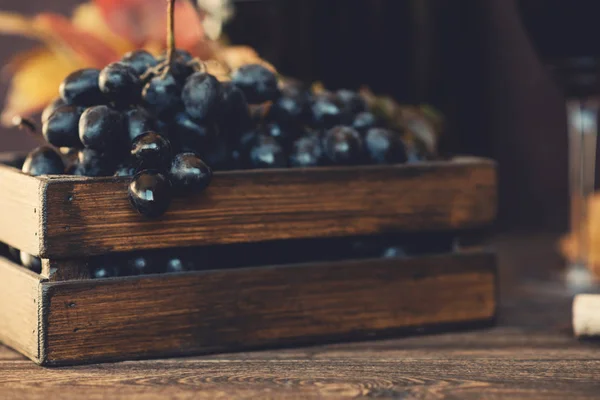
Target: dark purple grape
267, 153
394, 252
81, 88
351, 103
61, 129
14, 253
139, 60
180, 54
125, 170
307, 152
94, 163
218, 155
162, 95
189, 174
385, 147
201, 95
140, 264
325, 95
364, 121
289, 111
259, 113
343, 146
103, 271
325, 114
180, 67
176, 264
191, 135
151, 150
139, 121
234, 115
43, 160
31, 262
241, 150
120, 84
102, 128
285, 136
294, 88
50, 108
368, 247
258, 83
150, 193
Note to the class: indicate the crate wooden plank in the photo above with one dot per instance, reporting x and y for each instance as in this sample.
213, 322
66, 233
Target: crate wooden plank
92, 216
163, 315
20, 293
65, 270
21, 210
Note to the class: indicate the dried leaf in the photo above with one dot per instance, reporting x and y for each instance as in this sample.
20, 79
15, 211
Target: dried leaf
15, 24
92, 50
236, 56
37, 75
143, 21
88, 18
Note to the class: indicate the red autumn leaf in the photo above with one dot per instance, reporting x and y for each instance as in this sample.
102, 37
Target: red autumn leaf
88, 47
143, 21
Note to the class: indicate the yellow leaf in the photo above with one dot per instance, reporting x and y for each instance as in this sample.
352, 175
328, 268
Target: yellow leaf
15, 24
37, 75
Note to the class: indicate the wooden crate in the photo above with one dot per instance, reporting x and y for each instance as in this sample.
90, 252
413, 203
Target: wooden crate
62, 317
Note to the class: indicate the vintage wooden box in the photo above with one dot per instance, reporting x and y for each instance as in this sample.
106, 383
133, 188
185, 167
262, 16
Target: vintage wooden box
63, 317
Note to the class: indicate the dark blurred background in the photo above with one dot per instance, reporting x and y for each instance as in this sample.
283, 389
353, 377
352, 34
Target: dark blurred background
472, 59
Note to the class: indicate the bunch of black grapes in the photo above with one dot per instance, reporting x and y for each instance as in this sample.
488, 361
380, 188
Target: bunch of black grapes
168, 129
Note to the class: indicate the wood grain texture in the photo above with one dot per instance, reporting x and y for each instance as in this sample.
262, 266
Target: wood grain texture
65, 270
227, 310
21, 209
531, 354
19, 308
86, 216
387, 378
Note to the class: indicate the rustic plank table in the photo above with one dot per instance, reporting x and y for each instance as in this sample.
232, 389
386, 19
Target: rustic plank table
529, 354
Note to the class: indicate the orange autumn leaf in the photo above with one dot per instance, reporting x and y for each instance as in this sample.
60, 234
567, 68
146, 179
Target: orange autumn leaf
89, 18
92, 50
38, 71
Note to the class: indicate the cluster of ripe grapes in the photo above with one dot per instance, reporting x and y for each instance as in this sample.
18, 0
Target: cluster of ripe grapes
167, 124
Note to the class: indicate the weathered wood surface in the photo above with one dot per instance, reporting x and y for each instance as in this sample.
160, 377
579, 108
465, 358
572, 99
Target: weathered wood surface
20, 210
225, 310
530, 355
92, 216
65, 270
19, 303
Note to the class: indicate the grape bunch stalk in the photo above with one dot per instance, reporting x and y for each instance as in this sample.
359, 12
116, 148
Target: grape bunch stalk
166, 123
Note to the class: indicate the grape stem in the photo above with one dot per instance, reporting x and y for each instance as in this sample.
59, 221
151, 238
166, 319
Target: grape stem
170, 34
28, 126
164, 67
24, 123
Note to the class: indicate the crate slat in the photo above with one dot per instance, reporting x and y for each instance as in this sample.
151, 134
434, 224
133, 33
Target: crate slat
20, 305
84, 217
20, 210
166, 315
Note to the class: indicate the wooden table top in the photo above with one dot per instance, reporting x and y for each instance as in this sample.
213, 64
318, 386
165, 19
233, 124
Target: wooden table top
531, 353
